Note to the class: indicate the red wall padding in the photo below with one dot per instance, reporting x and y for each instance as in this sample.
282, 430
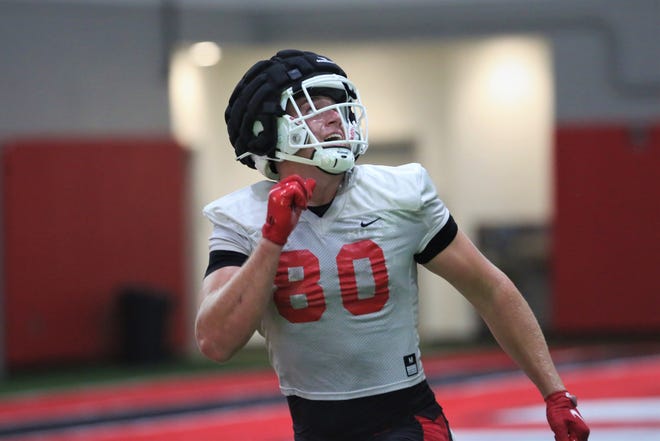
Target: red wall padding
606, 262
82, 218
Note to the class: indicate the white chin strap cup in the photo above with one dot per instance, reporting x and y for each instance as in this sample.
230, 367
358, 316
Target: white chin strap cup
333, 160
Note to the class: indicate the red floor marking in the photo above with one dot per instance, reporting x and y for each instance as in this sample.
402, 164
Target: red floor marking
472, 405
136, 395
260, 424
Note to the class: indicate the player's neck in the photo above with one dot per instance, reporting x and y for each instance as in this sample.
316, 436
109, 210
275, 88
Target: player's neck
326, 189
327, 184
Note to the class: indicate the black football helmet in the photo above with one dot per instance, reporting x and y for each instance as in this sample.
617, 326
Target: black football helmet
261, 131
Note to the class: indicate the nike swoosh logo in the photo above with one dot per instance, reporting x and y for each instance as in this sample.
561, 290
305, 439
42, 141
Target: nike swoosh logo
366, 224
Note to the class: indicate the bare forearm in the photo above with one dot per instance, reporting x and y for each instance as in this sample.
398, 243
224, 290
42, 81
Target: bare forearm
513, 324
502, 306
232, 309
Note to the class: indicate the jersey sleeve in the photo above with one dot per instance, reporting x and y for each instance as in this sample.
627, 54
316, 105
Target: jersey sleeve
441, 227
228, 235
233, 235
237, 219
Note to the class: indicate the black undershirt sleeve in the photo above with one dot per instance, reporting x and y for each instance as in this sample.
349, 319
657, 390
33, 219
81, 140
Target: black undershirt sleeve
221, 258
439, 242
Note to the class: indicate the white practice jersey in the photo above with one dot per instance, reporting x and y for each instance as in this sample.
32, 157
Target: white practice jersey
343, 320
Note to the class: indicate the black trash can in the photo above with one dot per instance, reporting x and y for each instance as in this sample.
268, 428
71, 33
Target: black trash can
144, 318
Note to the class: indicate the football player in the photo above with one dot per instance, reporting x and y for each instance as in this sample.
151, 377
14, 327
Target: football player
321, 259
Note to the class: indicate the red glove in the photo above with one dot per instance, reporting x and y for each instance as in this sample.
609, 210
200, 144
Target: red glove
564, 418
286, 200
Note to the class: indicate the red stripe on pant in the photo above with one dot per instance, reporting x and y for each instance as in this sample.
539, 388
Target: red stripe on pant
434, 430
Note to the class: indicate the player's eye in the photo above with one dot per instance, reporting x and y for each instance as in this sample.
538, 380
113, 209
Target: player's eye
305, 108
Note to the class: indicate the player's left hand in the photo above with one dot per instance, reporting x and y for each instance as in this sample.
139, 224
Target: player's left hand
564, 418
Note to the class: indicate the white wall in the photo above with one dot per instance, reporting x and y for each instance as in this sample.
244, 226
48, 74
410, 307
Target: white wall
485, 143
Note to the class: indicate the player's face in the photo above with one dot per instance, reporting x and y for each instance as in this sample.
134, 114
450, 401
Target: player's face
325, 125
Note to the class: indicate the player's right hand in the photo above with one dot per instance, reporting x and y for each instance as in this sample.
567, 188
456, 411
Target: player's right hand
286, 200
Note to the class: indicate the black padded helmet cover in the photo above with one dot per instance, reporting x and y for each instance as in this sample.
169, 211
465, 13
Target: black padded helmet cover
257, 97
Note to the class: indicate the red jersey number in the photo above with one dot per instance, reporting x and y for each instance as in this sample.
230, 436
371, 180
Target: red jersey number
365, 249
299, 298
